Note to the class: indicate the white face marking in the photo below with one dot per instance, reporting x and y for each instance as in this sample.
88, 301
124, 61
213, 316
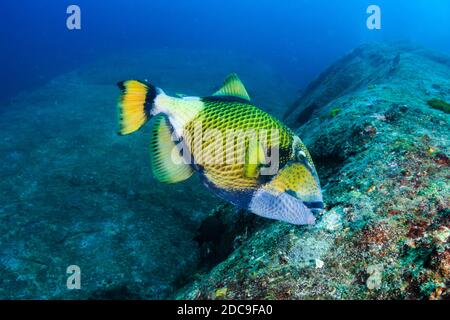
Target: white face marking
180, 111
191, 98
297, 152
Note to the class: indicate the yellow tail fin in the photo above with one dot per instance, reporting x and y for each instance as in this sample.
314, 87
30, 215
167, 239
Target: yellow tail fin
134, 105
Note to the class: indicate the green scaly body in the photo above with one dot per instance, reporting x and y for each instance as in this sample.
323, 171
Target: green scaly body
227, 115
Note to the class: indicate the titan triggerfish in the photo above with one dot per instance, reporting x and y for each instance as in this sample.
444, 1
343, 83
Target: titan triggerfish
243, 154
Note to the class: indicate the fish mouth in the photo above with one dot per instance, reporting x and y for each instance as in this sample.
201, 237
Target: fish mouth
312, 211
316, 208
314, 202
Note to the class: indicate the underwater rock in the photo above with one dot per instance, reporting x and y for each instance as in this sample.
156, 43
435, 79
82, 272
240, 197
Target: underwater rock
72, 192
382, 162
210, 230
368, 66
221, 232
375, 278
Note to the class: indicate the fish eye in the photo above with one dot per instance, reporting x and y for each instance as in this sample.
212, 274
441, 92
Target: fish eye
301, 155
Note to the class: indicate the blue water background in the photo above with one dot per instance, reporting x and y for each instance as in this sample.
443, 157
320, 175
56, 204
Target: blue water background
300, 37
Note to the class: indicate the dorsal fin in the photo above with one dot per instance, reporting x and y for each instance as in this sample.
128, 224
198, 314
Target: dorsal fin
168, 165
232, 86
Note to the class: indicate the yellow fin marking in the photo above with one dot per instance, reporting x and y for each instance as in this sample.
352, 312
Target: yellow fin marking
255, 157
131, 106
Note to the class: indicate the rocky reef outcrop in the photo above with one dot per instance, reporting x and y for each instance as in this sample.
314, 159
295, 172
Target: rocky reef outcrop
382, 151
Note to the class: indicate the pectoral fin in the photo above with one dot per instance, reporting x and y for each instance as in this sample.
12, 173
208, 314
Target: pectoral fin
168, 165
255, 157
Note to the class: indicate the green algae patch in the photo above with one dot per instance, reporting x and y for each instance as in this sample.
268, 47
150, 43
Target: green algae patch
334, 112
439, 104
